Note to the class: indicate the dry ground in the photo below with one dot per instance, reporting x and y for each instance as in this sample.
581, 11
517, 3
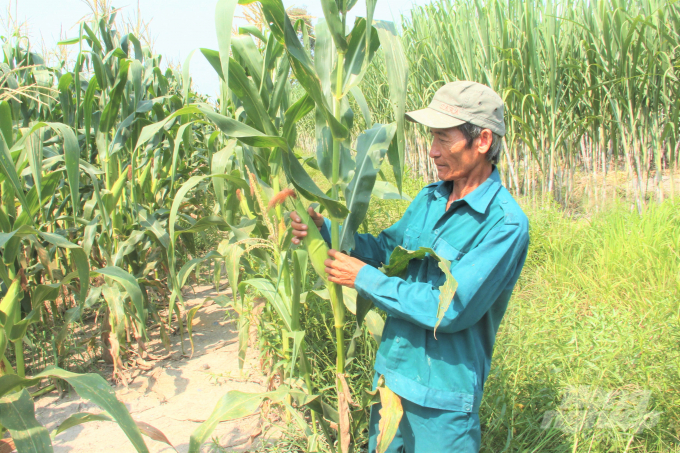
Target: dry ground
175, 396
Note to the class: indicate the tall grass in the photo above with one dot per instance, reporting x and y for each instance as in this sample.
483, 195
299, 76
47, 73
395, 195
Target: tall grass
597, 305
590, 87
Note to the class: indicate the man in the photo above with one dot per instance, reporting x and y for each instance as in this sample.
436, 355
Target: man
470, 219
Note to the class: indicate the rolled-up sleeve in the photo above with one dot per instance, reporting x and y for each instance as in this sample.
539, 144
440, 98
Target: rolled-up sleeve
482, 275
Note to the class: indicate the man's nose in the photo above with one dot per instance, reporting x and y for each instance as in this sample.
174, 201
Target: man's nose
434, 150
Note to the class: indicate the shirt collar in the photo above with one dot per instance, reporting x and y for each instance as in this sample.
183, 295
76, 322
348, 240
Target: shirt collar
480, 198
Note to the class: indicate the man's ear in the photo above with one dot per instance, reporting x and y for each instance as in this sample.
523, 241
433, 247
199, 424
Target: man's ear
485, 140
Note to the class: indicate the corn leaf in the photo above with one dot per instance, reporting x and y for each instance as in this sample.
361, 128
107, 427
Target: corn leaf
371, 148
17, 413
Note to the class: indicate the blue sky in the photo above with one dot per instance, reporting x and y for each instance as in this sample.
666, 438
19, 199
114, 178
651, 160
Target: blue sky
177, 26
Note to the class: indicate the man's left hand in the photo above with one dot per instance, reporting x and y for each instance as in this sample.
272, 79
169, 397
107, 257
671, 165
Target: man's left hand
342, 269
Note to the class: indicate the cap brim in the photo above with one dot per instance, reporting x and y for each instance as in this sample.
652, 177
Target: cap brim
432, 118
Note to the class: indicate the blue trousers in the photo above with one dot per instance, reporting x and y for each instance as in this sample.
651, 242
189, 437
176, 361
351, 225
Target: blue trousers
427, 430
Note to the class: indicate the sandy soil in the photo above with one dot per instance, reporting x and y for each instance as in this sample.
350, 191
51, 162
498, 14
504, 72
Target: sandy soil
175, 396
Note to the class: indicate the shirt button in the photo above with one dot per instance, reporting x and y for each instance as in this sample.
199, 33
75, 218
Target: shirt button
436, 231
397, 340
467, 407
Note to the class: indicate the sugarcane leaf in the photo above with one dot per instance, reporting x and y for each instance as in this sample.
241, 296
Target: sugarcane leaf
396, 66
371, 148
17, 413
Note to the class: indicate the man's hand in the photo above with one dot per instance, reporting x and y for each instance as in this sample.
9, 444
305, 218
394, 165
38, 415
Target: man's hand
342, 269
299, 228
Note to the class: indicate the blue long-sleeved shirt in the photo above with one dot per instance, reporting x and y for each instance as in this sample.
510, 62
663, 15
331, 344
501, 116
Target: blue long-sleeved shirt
485, 236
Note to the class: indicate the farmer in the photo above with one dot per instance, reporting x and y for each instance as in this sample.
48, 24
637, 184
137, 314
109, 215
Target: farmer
469, 219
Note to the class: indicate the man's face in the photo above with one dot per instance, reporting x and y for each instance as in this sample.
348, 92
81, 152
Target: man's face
452, 158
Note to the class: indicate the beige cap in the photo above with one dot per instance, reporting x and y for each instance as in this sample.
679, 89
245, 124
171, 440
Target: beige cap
462, 102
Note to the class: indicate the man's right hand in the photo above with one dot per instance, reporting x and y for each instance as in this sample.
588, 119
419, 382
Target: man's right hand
299, 228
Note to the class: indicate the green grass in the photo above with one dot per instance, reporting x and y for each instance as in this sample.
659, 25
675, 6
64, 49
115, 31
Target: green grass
597, 306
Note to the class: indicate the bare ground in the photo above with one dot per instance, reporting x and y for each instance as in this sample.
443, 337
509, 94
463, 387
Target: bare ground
175, 396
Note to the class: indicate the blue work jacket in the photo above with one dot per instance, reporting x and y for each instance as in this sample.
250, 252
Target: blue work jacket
485, 236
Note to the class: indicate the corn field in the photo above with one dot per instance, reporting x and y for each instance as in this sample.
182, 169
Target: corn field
119, 183
591, 90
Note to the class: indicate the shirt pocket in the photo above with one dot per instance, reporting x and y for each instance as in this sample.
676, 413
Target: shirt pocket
410, 240
444, 250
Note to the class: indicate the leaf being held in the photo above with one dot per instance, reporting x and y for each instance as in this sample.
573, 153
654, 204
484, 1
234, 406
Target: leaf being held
398, 264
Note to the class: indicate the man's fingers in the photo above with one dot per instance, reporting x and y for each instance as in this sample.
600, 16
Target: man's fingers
332, 253
295, 217
299, 233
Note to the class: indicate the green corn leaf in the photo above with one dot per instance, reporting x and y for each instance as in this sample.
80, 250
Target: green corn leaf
220, 160
300, 61
332, 15
356, 60
371, 148
247, 92
386, 191
358, 96
398, 264
190, 319
396, 65
131, 287
317, 249
224, 17
17, 413
6, 127
295, 113
280, 85
186, 77
213, 58
78, 419
34, 146
307, 187
274, 297
249, 54
233, 405
110, 114
10, 305
10, 172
